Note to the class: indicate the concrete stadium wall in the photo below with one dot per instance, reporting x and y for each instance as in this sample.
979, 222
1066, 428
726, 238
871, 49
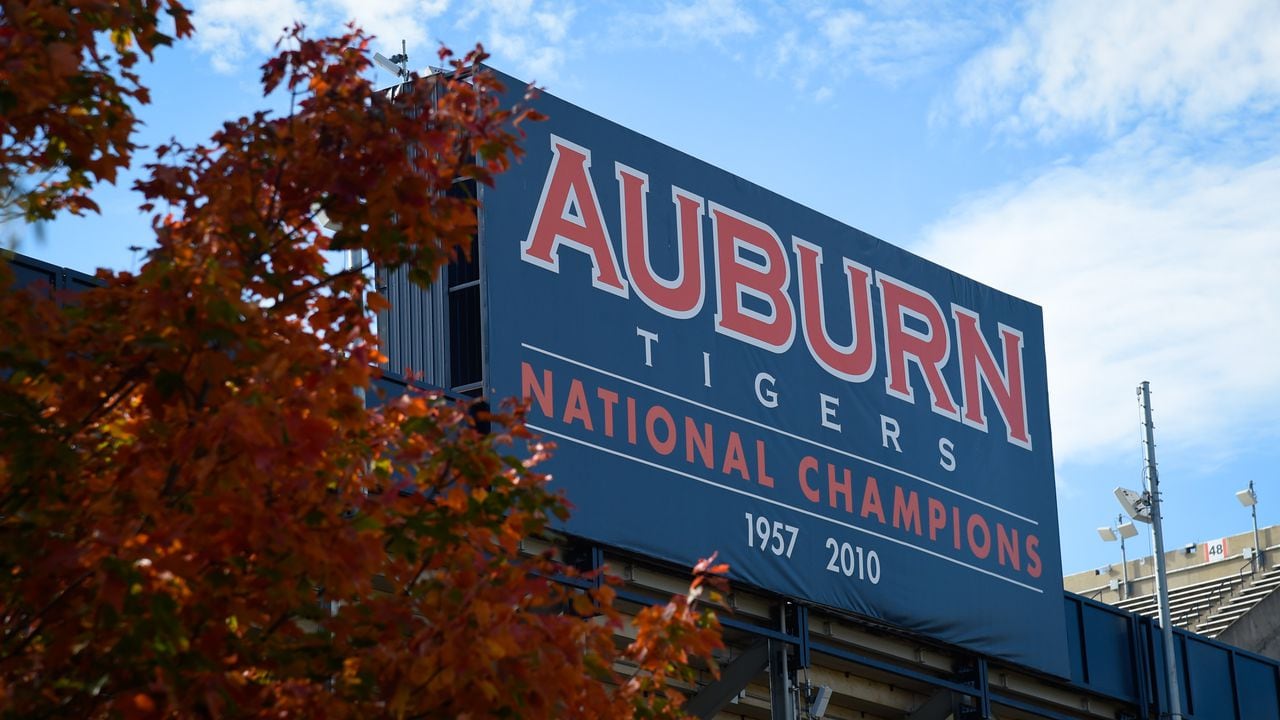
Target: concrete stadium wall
1183, 568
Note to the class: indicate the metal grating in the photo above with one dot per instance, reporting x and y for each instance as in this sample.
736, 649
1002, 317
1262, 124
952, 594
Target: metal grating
414, 332
435, 334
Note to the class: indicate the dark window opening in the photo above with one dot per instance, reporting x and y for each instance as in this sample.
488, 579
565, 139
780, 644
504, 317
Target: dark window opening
466, 355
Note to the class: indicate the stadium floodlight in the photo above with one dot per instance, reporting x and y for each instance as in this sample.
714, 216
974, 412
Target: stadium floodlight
822, 698
323, 220
1136, 504
1249, 499
393, 64
1122, 531
397, 65
1246, 497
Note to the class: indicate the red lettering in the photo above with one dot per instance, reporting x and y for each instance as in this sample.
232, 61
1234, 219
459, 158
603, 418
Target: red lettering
1034, 567
937, 518
761, 476
765, 282
530, 388
980, 549
735, 458
609, 398
681, 297
844, 488
702, 443
906, 510
569, 213
871, 500
631, 420
978, 368
658, 413
929, 350
856, 360
1007, 546
809, 464
575, 408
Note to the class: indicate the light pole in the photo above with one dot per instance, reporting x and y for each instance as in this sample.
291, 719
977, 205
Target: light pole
1122, 530
1249, 499
1145, 507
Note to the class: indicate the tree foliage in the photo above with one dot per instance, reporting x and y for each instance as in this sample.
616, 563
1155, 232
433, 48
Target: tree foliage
199, 515
67, 89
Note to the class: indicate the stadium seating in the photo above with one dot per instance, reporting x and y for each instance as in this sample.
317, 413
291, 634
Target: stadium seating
1210, 606
1241, 603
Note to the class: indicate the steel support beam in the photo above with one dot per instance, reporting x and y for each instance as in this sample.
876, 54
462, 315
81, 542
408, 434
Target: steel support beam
975, 676
781, 695
713, 698
938, 707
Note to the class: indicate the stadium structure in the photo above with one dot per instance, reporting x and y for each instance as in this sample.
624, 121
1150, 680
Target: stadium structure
1222, 588
862, 434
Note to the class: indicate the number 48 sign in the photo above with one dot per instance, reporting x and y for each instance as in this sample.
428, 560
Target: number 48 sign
1215, 550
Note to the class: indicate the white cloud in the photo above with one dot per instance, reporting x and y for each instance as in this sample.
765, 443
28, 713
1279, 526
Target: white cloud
236, 32
841, 27
231, 31
815, 41
529, 37
691, 21
709, 19
887, 41
1149, 266
389, 20
1102, 65
554, 25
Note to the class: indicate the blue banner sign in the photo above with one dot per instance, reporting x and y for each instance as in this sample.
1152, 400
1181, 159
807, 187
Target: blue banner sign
723, 369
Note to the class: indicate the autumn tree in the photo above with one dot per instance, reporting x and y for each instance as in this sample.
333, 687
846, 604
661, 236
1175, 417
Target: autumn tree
68, 85
200, 513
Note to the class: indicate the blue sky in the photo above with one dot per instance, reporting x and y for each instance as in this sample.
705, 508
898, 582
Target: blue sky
1116, 163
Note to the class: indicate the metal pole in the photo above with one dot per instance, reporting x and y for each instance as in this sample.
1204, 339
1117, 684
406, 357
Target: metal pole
353, 262
1162, 590
782, 701
1124, 561
1257, 544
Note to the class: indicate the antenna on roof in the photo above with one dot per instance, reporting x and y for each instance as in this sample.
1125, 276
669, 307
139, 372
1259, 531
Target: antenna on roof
397, 64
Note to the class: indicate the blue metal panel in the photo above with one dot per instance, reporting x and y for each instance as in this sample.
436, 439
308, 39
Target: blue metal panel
1078, 672
1257, 687
1107, 652
1217, 680
1209, 691
76, 281
39, 276
1155, 652
34, 275
391, 385
1139, 662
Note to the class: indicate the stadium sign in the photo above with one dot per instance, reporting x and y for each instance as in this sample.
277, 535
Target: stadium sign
725, 370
